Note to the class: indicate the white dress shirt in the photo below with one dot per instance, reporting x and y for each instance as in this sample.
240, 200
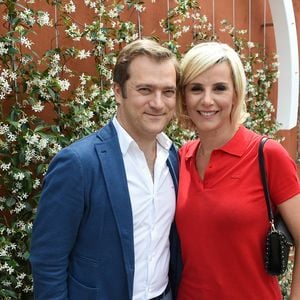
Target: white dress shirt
153, 209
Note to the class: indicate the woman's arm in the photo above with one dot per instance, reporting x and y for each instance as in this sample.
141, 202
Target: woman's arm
290, 211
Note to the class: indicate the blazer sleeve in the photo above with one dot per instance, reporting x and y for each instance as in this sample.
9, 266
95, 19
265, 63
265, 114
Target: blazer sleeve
55, 228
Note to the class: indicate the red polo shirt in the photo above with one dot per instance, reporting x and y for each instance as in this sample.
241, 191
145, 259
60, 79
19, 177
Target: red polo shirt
222, 220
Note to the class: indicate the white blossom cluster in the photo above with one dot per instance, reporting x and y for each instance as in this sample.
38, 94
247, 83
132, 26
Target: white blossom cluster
7, 76
70, 7
83, 102
31, 17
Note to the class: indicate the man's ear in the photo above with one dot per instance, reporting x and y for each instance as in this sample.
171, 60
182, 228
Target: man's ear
118, 92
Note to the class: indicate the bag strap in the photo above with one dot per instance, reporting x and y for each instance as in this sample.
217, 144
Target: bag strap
264, 178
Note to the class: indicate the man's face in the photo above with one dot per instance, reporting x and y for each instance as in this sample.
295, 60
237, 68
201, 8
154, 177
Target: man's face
150, 98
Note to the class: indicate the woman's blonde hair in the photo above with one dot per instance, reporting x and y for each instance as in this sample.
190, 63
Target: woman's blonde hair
199, 59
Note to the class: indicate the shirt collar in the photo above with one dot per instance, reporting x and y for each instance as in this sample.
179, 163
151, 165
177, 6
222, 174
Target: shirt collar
236, 146
239, 142
125, 140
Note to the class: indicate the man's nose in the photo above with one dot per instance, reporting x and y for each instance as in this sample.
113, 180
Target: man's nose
157, 100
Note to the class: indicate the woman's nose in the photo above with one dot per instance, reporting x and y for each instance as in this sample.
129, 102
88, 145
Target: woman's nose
207, 98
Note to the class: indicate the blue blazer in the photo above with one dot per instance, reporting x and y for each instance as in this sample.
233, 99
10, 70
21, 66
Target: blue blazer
82, 240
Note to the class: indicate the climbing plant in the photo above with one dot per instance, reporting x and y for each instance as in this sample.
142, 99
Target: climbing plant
46, 103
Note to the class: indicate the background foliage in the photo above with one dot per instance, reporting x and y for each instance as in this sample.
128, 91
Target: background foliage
45, 104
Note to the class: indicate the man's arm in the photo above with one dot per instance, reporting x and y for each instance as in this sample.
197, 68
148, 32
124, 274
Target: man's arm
55, 228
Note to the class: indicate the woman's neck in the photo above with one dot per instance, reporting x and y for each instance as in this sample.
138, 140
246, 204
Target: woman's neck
211, 140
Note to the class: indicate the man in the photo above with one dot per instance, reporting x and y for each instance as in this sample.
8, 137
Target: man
103, 223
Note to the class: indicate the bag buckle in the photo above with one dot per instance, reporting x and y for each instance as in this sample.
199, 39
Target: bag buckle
273, 228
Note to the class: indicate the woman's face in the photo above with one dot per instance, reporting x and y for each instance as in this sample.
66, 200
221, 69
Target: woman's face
209, 99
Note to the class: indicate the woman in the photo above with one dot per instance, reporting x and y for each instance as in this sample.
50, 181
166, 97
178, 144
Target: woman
221, 211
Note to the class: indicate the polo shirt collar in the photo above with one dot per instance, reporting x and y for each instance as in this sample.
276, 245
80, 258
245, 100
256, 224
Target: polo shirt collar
239, 142
236, 146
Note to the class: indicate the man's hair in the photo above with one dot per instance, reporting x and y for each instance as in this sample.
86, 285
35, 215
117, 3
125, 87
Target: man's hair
142, 47
199, 59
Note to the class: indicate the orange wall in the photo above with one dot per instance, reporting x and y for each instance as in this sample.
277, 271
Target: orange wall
224, 10
150, 23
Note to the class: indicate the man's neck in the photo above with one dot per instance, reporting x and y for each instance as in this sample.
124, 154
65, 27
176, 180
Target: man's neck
149, 150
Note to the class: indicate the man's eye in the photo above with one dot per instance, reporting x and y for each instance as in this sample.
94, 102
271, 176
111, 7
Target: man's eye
144, 91
169, 93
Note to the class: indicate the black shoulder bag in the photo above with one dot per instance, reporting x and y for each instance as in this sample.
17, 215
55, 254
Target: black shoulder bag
279, 240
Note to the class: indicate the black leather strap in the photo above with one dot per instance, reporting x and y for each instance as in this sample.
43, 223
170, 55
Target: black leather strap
264, 177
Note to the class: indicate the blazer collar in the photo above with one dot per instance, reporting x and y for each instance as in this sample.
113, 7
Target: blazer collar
110, 156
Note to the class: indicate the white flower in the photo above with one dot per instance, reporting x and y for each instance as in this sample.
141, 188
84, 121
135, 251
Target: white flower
5, 88
36, 183
28, 17
19, 176
250, 45
26, 42
139, 7
113, 13
19, 206
64, 84
55, 59
43, 143
33, 139
13, 76
30, 154
5, 16
11, 137
84, 78
43, 18
25, 60
4, 128
10, 270
185, 28
13, 246
38, 107
3, 252
82, 54
74, 32
70, 7
3, 49
6, 283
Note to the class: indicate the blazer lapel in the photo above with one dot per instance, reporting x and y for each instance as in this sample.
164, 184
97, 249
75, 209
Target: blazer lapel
115, 177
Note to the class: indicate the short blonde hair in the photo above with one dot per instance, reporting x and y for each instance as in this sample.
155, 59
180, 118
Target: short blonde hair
199, 59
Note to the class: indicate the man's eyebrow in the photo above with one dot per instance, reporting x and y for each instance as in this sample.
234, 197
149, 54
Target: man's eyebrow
153, 85
144, 85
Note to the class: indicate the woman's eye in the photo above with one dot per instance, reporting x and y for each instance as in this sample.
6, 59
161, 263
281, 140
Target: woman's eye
220, 87
196, 88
